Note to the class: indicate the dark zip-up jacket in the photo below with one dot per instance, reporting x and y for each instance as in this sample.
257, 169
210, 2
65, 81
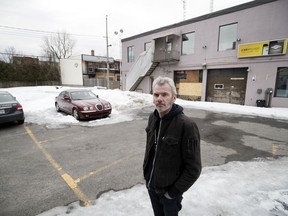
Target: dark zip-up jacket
172, 161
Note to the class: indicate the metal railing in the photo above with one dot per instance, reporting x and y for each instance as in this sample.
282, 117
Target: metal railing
140, 67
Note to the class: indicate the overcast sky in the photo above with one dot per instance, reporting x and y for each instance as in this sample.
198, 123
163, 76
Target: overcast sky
23, 24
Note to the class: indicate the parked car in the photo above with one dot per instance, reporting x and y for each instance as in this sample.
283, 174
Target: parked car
10, 109
82, 104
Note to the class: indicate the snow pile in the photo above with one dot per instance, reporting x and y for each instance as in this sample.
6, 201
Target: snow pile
234, 189
38, 103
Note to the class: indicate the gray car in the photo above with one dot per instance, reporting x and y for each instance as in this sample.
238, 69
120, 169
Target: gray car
10, 109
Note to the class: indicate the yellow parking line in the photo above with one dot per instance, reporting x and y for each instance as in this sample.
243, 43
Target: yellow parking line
66, 177
105, 167
55, 138
274, 149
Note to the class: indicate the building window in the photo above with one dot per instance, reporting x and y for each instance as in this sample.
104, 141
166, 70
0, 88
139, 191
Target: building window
282, 83
130, 54
188, 43
168, 46
147, 45
227, 37
90, 67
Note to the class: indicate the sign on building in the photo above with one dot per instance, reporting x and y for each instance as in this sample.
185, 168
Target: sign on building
264, 48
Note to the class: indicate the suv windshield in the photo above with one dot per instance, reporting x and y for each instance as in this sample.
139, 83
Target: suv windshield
83, 95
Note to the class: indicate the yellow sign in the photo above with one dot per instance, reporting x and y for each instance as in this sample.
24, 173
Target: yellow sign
265, 48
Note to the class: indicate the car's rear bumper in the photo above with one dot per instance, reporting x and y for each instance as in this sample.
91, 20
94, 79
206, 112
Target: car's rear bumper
16, 116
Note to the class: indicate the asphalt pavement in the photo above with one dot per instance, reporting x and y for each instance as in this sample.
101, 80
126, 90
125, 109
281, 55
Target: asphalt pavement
42, 168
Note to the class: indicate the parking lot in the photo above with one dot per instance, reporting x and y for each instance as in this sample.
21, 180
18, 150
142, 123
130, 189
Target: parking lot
44, 168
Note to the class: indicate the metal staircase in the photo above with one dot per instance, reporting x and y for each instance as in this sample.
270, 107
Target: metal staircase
143, 66
140, 78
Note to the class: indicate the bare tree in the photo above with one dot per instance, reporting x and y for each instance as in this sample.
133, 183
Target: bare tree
58, 46
7, 56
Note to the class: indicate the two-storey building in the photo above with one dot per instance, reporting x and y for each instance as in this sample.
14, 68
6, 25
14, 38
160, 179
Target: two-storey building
90, 70
237, 55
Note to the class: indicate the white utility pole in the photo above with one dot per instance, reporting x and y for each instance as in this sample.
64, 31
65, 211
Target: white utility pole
120, 56
184, 9
107, 51
211, 6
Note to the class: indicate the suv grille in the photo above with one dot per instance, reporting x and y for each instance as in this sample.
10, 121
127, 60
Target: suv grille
99, 107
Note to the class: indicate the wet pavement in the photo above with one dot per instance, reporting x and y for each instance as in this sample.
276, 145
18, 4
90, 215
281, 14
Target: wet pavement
42, 168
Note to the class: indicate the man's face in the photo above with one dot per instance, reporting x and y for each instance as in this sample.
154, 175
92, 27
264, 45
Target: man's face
163, 98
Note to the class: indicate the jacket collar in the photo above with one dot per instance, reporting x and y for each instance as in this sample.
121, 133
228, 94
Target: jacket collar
175, 110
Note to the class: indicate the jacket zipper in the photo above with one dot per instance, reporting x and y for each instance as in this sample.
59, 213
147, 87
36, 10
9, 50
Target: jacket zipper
156, 144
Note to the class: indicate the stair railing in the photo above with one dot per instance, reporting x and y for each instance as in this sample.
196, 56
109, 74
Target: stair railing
140, 67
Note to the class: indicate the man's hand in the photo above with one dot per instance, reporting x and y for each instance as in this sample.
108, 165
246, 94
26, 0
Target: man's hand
167, 195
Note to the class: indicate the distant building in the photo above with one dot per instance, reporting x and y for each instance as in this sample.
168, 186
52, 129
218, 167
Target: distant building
17, 60
236, 55
90, 70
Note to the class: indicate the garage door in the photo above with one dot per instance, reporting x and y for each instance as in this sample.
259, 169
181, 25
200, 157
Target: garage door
227, 85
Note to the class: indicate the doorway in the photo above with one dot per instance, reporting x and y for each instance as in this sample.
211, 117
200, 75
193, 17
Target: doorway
227, 85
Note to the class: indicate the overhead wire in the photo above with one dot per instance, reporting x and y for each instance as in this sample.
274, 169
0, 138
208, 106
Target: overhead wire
23, 30
40, 34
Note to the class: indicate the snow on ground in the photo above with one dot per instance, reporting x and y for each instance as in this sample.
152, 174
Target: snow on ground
38, 104
258, 187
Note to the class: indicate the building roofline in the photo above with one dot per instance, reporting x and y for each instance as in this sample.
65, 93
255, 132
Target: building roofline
233, 9
91, 58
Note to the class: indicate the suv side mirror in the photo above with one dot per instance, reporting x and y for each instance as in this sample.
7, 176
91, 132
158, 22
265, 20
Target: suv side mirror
67, 98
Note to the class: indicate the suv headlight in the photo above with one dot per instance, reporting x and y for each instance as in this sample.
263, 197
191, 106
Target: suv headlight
107, 106
87, 108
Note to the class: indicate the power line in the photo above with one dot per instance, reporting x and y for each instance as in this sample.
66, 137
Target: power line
8, 31
46, 32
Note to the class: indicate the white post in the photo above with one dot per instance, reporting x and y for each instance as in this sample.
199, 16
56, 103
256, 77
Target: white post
107, 51
120, 56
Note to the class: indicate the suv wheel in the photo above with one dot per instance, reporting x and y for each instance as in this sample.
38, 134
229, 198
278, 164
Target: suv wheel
75, 114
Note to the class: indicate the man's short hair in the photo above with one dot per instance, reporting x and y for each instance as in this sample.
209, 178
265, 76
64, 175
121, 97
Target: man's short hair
162, 80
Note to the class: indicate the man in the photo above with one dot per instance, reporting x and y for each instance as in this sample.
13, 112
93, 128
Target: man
172, 161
